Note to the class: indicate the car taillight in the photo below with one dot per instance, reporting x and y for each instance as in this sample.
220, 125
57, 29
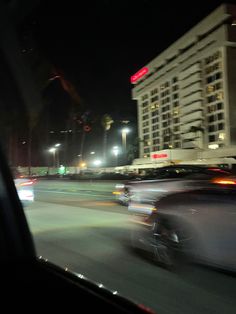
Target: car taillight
225, 181
27, 183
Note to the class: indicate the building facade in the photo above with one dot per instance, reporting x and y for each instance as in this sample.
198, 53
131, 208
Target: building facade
186, 96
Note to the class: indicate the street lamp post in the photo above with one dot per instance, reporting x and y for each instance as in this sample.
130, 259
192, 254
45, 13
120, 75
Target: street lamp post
57, 155
124, 133
115, 151
53, 151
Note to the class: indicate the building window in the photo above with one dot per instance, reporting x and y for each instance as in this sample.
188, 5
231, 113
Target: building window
156, 141
155, 113
176, 120
175, 88
175, 113
165, 124
146, 150
144, 97
145, 103
155, 127
210, 89
145, 110
221, 126
146, 123
176, 136
176, 128
154, 98
175, 79
211, 98
219, 106
155, 120
213, 57
175, 96
211, 118
220, 116
154, 106
211, 108
221, 136
164, 116
177, 145
155, 134
146, 130
212, 138
146, 137
156, 148
220, 96
154, 91
211, 128
145, 117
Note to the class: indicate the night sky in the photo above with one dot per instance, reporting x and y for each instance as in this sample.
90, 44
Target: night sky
100, 44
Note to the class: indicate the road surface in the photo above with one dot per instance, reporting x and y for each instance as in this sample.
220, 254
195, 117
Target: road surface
78, 225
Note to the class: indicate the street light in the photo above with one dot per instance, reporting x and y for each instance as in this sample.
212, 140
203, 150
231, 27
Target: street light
92, 153
97, 162
124, 133
57, 145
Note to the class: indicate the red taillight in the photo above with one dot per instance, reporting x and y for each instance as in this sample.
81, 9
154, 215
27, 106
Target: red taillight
225, 181
27, 183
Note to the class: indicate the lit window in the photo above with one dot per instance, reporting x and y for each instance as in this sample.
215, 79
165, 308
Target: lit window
219, 96
210, 89
221, 136
213, 146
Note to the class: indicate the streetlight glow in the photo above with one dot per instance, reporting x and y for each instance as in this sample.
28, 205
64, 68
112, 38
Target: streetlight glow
97, 162
125, 130
57, 145
92, 153
52, 150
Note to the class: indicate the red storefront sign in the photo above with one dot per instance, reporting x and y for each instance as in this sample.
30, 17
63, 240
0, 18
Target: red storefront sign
158, 156
134, 78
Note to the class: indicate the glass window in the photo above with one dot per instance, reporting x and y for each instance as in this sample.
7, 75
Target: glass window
220, 116
211, 128
155, 127
221, 126
155, 134
212, 138
219, 106
155, 120
211, 118
155, 113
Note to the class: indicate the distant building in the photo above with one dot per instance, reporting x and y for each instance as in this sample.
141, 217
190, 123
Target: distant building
186, 96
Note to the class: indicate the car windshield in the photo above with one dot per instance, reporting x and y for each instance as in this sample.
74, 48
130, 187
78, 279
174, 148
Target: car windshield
106, 109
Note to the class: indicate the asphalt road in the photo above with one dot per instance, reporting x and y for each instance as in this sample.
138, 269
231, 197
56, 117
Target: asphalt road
78, 225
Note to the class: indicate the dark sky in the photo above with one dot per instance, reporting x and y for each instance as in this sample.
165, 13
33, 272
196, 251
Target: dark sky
101, 44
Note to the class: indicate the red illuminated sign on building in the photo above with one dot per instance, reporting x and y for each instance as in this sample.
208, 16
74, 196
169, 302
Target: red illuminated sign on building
158, 156
134, 78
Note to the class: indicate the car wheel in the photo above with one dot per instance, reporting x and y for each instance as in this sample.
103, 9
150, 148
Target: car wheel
165, 245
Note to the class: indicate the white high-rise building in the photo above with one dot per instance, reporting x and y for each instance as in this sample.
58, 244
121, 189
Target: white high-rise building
186, 96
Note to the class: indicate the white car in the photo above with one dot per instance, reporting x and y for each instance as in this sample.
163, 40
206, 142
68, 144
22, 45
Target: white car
25, 189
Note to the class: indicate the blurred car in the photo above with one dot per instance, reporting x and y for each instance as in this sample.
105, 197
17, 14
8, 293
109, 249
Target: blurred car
24, 186
197, 225
125, 191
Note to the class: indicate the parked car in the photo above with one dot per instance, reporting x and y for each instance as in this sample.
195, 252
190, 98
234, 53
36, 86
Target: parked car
197, 225
125, 191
